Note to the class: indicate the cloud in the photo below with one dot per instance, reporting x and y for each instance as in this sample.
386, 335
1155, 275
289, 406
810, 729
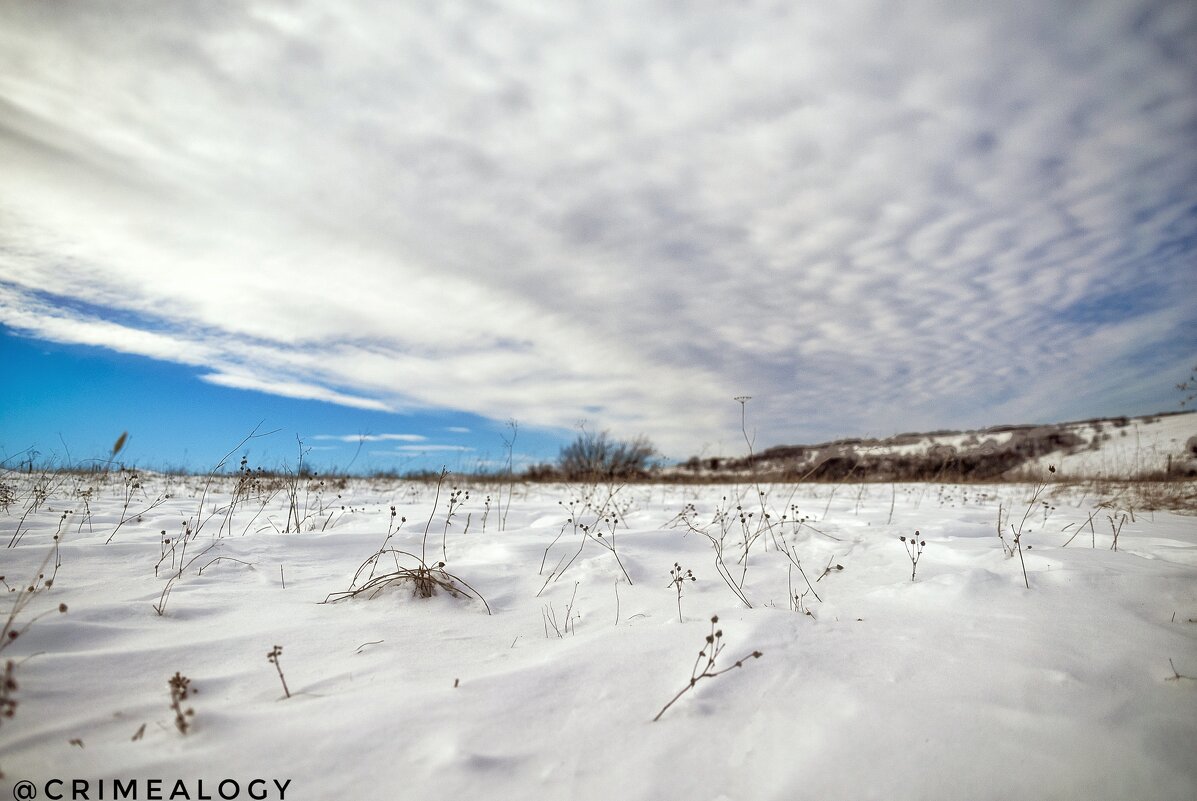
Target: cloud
431, 448
372, 437
407, 450
292, 389
868, 220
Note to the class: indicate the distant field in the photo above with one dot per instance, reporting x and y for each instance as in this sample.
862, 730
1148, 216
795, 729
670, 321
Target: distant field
1154, 446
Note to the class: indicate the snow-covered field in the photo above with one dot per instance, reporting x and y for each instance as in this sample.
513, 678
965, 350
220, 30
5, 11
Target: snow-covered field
1137, 445
961, 684
1149, 446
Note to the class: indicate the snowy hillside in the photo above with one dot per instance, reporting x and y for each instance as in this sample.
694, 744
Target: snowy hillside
885, 673
1124, 447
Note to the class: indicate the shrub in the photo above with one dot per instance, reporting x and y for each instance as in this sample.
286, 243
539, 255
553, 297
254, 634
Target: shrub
599, 456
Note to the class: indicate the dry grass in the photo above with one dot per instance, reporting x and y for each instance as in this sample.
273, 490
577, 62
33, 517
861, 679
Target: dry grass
425, 580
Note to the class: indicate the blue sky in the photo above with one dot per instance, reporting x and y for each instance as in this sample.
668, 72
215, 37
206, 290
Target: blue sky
73, 402
409, 219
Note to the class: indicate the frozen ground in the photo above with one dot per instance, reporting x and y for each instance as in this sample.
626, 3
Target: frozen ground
961, 684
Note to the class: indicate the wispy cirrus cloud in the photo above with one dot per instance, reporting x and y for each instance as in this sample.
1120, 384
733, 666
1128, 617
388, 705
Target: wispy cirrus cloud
371, 437
407, 450
431, 448
292, 389
867, 218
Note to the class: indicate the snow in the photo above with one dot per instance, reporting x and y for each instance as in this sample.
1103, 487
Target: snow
960, 684
929, 441
1140, 445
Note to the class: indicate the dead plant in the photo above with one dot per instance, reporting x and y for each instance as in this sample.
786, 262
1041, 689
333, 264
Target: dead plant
706, 669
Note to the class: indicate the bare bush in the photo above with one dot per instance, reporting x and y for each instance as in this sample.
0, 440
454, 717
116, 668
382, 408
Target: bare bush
599, 456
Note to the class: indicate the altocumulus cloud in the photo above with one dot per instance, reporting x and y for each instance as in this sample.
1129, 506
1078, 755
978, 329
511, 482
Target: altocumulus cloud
867, 216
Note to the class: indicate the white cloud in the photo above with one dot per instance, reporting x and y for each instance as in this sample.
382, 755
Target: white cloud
292, 389
866, 219
431, 448
371, 437
407, 450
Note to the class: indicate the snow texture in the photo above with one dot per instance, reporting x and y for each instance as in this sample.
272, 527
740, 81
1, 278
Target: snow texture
962, 683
